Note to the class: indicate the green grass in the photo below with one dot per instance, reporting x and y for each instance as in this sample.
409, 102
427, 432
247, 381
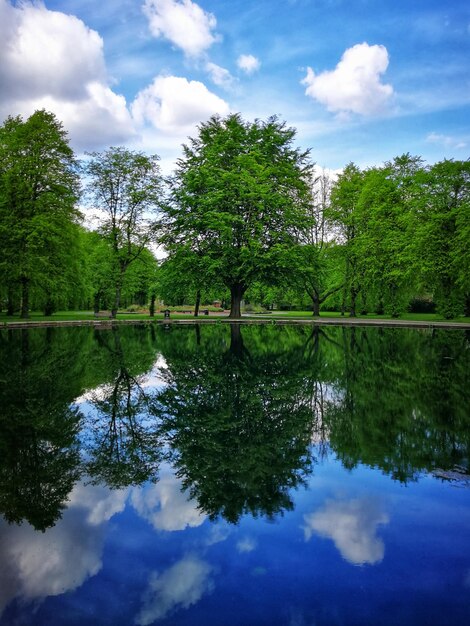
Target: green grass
421, 317
88, 315
61, 316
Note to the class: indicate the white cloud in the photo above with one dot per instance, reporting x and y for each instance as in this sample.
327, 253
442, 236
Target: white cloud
165, 506
247, 544
52, 60
248, 63
219, 75
354, 85
352, 525
173, 104
183, 23
179, 587
447, 141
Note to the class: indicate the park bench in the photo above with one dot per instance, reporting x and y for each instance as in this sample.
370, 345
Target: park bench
103, 314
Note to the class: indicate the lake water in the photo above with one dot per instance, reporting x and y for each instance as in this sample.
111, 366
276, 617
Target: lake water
234, 475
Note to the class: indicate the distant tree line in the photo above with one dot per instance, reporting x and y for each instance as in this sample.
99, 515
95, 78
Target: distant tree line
245, 217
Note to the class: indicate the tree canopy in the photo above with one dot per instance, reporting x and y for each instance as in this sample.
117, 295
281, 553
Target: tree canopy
39, 188
239, 197
126, 187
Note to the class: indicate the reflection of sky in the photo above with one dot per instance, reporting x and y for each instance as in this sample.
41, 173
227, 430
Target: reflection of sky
36, 565
352, 525
180, 586
165, 506
152, 379
148, 556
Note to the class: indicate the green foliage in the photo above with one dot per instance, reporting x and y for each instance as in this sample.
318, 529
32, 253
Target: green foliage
239, 197
38, 191
126, 187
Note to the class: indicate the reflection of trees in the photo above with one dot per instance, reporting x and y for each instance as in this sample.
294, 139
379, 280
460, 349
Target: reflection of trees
122, 443
238, 414
39, 455
236, 419
41, 372
403, 399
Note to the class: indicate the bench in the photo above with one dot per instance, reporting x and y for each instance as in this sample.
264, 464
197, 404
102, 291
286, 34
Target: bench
103, 314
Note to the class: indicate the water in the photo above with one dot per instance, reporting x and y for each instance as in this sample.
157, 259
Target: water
222, 475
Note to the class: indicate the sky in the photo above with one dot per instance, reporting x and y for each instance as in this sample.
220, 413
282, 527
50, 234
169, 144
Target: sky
360, 80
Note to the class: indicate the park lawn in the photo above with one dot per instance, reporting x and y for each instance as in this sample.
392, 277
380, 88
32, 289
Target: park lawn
418, 317
77, 316
71, 316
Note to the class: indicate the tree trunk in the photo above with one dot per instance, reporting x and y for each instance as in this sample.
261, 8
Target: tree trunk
117, 296
10, 303
49, 308
153, 297
198, 302
24, 298
316, 306
236, 292
467, 305
352, 306
117, 302
96, 303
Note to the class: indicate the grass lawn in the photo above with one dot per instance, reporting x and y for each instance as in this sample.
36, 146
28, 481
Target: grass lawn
419, 317
74, 316
88, 315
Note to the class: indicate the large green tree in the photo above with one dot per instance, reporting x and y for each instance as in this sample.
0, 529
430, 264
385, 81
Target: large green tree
39, 188
126, 188
240, 194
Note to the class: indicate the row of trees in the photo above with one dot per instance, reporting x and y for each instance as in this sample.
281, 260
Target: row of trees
48, 259
244, 216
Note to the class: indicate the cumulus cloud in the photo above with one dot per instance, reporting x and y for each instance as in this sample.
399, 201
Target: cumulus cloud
354, 85
179, 587
165, 506
352, 525
52, 60
219, 75
182, 22
248, 63
174, 104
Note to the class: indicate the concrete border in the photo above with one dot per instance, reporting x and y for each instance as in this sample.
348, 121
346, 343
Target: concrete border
322, 321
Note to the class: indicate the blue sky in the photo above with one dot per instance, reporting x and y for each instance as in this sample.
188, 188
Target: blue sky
361, 80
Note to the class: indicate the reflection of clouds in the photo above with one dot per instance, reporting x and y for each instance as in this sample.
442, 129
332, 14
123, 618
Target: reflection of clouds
165, 506
179, 587
217, 534
101, 502
352, 525
36, 565
247, 544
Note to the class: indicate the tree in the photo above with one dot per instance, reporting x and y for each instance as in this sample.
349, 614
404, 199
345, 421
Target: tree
239, 197
39, 188
443, 234
383, 244
126, 187
344, 198
316, 260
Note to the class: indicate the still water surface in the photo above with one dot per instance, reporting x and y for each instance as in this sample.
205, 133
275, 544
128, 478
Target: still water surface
226, 475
